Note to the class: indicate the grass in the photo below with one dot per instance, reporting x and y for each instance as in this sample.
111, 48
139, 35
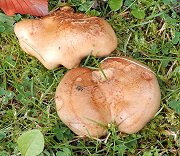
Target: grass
27, 89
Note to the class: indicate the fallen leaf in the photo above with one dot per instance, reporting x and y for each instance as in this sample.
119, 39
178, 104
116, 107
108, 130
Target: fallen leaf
32, 7
175, 105
138, 13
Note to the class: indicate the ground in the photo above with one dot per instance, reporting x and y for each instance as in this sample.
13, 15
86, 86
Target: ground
27, 88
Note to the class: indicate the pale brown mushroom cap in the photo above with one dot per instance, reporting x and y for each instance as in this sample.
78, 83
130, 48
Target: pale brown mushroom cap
130, 97
65, 37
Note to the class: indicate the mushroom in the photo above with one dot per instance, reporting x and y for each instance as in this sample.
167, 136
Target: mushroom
124, 92
65, 37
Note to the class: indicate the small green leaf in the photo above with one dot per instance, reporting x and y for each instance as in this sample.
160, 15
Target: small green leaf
31, 143
165, 63
6, 23
166, 47
6, 19
174, 15
139, 14
8, 96
115, 4
2, 135
86, 6
128, 2
18, 17
65, 152
93, 12
3, 153
175, 40
169, 19
154, 48
58, 133
177, 34
174, 2
122, 149
2, 28
166, 2
175, 105
177, 70
148, 153
2, 92
76, 2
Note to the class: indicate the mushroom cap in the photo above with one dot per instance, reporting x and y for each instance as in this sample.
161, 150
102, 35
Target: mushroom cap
65, 37
129, 96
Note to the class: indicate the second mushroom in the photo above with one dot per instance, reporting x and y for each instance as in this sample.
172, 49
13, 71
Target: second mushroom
65, 37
